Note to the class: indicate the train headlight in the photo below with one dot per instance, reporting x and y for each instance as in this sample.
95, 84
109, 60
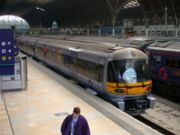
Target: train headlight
148, 89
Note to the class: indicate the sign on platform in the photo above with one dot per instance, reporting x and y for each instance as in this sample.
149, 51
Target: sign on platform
6, 52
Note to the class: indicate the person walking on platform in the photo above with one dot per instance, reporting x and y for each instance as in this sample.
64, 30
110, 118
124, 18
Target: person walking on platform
75, 124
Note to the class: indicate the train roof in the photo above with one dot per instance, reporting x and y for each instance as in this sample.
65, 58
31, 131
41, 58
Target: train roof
175, 39
88, 47
70, 44
79, 45
134, 42
166, 45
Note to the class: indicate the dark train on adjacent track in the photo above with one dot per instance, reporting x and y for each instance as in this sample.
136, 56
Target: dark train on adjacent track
119, 74
164, 58
165, 68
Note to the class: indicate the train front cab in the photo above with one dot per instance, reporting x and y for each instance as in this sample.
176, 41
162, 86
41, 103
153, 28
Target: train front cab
129, 83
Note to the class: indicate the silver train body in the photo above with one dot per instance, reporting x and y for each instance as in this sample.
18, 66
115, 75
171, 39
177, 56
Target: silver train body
120, 75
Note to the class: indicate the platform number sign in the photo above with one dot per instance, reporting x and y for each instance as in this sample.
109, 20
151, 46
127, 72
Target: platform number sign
6, 52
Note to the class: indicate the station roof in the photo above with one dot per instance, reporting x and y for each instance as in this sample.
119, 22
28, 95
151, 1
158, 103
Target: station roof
76, 12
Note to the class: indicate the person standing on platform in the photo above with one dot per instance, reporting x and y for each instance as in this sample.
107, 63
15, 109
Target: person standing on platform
75, 124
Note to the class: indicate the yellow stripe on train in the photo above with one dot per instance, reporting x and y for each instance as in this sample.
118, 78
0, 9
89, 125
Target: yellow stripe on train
130, 89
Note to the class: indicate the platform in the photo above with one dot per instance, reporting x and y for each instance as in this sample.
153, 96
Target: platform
41, 109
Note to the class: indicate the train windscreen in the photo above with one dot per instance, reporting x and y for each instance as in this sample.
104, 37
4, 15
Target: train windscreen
128, 71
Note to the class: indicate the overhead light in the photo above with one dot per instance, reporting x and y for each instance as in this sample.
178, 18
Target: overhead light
41, 9
131, 4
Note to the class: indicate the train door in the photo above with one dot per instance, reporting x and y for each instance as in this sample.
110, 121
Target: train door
155, 63
102, 63
74, 65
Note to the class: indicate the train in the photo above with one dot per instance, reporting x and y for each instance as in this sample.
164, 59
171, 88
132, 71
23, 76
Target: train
165, 68
165, 78
121, 75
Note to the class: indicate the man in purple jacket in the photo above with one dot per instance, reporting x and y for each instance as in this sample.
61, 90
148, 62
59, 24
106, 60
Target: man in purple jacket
75, 124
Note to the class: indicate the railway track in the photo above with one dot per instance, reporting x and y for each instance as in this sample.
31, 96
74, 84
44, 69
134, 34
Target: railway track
154, 125
165, 114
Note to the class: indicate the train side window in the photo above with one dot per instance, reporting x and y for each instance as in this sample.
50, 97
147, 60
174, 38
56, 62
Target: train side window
39, 50
67, 59
157, 60
173, 63
101, 73
90, 69
112, 75
57, 57
49, 54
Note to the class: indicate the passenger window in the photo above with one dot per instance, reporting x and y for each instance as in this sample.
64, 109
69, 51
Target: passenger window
157, 60
68, 59
90, 69
173, 63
